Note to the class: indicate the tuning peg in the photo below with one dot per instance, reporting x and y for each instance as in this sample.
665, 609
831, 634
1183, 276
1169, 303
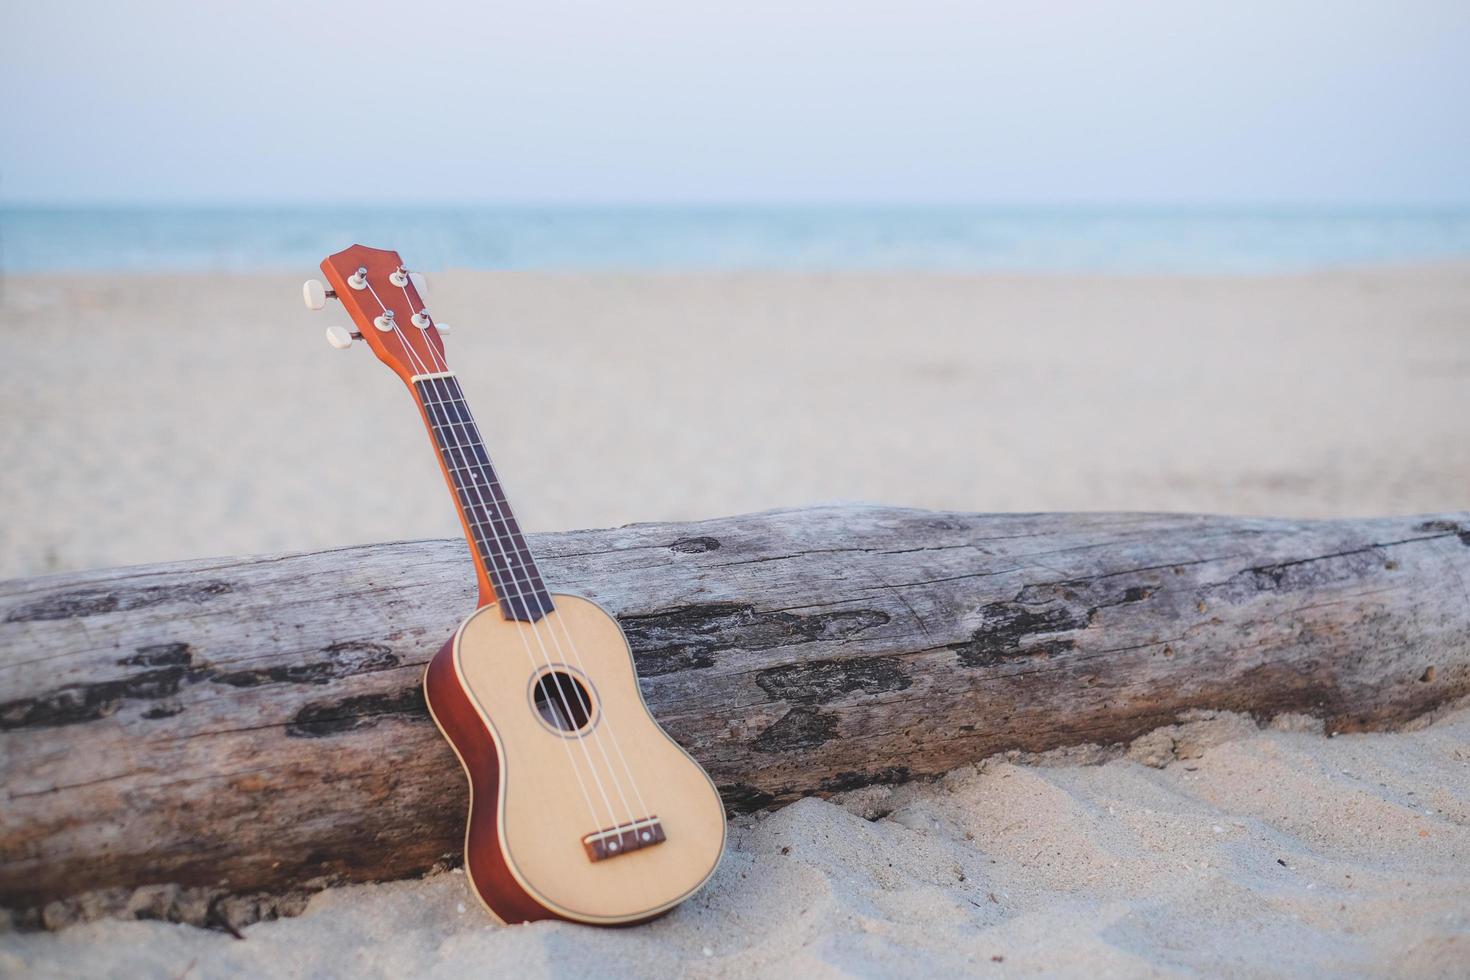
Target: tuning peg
315, 294
441, 327
342, 338
420, 283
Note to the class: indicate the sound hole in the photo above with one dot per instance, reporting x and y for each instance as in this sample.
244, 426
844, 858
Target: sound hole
562, 701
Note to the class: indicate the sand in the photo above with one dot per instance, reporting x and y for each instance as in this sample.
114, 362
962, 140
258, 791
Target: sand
146, 418
149, 418
1274, 853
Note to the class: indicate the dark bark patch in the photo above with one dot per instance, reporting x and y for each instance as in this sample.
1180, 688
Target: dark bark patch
1447, 527
1319, 572
1439, 527
160, 655
689, 637
844, 781
173, 666
93, 602
825, 681
672, 659
799, 728
326, 718
744, 798
695, 546
1082, 592
78, 703
1011, 630
345, 660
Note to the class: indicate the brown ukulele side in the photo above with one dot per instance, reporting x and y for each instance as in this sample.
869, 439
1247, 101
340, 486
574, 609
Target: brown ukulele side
581, 807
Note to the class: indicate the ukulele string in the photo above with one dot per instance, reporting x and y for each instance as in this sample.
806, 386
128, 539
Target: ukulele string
464, 467
422, 368
519, 577
508, 546
524, 575
582, 697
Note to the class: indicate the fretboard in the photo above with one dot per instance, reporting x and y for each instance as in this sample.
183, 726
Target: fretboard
494, 534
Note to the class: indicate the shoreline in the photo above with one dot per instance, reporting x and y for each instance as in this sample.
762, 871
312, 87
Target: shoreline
1441, 265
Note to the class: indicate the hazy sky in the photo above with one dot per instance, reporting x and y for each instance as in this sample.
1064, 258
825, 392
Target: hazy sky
679, 100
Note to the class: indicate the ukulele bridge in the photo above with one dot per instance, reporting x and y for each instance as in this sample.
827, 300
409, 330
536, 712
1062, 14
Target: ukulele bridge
623, 838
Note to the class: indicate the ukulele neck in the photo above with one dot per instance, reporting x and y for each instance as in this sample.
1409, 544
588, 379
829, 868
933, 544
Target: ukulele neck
504, 564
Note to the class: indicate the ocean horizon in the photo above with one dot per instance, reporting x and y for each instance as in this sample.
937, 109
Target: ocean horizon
688, 238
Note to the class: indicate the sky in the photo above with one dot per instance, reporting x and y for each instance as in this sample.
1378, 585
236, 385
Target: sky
683, 101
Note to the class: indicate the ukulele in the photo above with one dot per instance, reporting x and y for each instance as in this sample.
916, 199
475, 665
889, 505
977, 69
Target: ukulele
581, 807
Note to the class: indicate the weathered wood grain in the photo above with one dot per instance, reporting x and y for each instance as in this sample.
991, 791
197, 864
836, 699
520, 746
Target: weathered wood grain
255, 725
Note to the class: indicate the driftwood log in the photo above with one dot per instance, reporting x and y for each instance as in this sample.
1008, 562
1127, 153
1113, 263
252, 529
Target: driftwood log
254, 726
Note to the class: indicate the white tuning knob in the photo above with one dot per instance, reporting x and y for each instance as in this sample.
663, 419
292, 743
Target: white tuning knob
420, 283
340, 337
314, 293
441, 327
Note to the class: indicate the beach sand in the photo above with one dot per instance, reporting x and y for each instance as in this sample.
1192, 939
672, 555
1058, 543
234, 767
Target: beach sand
1274, 853
152, 418
147, 418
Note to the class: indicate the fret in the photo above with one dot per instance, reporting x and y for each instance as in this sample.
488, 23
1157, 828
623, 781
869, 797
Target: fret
487, 514
477, 470
462, 436
527, 609
479, 474
504, 546
485, 489
445, 415
501, 527
495, 535
523, 586
514, 585
461, 430
461, 462
520, 552
522, 555
484, 496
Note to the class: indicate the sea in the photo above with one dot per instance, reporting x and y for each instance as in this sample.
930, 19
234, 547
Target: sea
950, 239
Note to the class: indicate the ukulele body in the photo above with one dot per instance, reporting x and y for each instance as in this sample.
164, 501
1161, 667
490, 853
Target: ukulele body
581, 807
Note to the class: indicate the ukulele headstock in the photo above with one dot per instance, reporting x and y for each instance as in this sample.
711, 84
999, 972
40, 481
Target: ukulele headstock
387, 308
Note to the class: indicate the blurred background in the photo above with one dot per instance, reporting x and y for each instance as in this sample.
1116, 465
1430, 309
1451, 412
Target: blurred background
703, 260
